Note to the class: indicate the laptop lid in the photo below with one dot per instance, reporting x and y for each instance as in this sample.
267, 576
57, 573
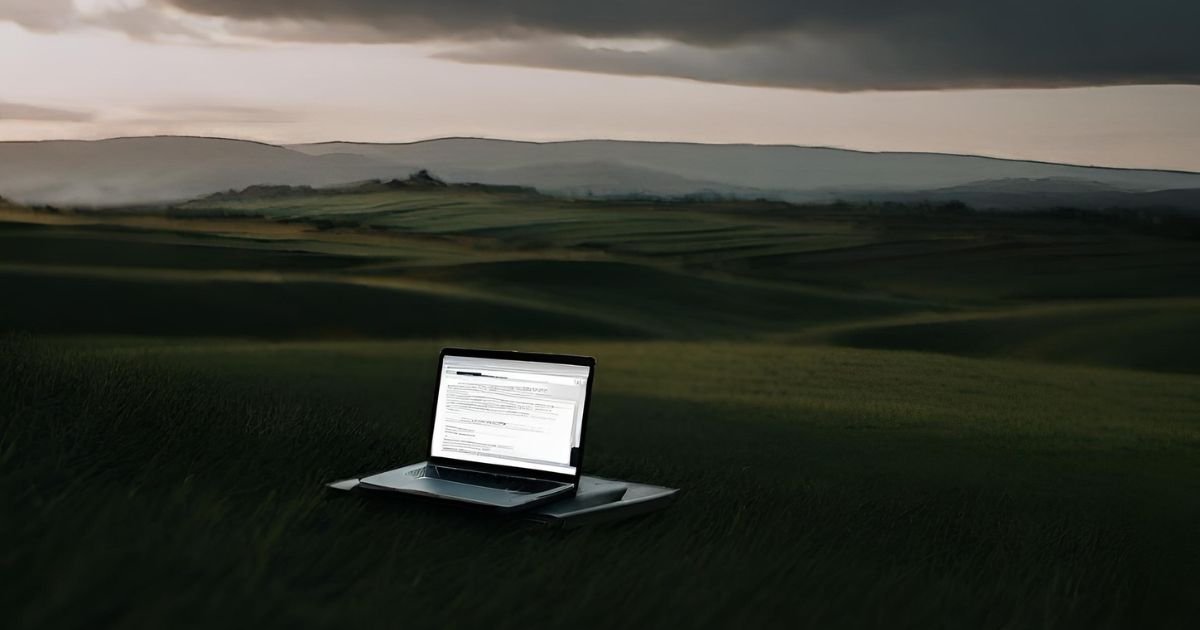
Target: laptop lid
512, 412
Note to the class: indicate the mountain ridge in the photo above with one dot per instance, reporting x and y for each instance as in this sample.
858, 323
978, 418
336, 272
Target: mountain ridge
135, 170
784, 171
290, 145
743, 145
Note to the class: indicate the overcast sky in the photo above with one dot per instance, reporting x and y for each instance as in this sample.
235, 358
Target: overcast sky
1099, 82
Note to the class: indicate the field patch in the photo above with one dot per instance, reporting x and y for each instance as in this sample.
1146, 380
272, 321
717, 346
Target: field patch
674, 302
115, 247
1163, 335
174, 304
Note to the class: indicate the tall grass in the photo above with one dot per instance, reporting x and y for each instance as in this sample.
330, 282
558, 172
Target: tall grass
181, 485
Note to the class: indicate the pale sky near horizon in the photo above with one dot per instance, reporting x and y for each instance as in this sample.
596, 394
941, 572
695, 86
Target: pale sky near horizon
82, 73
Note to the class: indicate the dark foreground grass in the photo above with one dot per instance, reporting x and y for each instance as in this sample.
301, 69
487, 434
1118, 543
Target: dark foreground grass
177, 483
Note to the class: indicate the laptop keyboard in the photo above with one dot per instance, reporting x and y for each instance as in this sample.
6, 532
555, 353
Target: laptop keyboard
488, 480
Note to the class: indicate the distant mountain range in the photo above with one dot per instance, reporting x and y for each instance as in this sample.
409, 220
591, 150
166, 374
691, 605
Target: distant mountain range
164, 169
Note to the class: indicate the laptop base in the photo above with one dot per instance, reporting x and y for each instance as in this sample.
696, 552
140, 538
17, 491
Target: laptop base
485, 490
596, 501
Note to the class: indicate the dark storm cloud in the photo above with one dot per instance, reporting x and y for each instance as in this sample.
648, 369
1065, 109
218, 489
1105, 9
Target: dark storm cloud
826, 44
837, 66
22, 111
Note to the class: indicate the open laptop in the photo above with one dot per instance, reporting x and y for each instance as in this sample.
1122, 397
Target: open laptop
507, 430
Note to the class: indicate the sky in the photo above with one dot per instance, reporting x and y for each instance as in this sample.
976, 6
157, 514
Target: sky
1104, 82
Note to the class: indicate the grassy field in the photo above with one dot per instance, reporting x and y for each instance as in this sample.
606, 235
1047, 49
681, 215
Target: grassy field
915, 419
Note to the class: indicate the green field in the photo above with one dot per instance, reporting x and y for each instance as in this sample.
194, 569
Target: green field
913, 418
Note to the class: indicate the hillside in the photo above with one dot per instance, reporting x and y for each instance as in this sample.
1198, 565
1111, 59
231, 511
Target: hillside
394, 258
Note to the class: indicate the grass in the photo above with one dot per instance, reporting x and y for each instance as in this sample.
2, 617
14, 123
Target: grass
962, 493
186, 304
666, 301
1142, 334
39, 245
898, 419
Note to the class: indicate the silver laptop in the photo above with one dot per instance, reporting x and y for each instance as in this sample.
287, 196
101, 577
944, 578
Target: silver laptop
507, 430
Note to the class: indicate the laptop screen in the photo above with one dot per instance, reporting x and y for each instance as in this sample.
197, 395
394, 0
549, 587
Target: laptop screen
523, 414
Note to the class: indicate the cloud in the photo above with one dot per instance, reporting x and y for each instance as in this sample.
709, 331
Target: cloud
151, 20
835, 66
821, 44
22, 111
38, 15
834, 45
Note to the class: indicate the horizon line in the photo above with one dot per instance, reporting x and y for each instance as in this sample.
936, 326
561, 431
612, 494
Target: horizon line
287, 146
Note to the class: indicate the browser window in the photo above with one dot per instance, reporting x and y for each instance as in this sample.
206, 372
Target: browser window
524, 414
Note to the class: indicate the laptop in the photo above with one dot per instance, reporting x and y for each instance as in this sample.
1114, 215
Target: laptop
507, 430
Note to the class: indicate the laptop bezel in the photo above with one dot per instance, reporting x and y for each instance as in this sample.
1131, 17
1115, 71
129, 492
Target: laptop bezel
512, 355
